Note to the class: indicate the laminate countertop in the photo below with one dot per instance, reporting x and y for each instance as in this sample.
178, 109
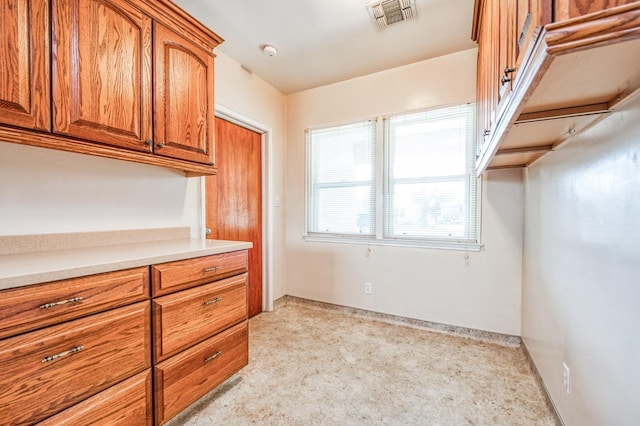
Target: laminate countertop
22, 269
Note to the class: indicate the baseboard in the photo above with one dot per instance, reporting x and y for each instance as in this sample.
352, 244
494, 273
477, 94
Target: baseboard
541, 386
470, 333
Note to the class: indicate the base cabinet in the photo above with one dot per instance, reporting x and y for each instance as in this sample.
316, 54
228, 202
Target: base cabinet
99, 350
200, 330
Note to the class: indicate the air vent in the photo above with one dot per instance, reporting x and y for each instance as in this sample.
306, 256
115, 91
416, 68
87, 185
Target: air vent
389, 12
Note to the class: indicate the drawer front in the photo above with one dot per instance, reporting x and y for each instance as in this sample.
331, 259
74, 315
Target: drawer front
27, 308
127, 403
182, 379
190, 316
173, 276
48, 370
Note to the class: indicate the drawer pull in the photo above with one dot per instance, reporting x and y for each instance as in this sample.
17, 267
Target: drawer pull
62, 302
76, 349
215, 268
212, 301
212, 357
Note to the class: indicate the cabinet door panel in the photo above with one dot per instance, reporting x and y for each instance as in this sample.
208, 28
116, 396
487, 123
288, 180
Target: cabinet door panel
190, 316
24, 55
182, 379
183, 98
48, 370
102, 72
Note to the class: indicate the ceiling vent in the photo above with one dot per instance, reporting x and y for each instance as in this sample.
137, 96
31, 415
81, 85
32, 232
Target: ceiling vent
388, 12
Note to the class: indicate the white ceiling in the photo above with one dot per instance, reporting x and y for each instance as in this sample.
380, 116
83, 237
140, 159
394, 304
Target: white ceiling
325, 41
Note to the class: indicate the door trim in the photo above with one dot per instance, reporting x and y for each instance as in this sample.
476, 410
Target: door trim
266, 148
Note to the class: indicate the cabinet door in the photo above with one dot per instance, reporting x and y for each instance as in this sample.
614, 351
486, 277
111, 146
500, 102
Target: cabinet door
183, 98
24, 55
102, 72
45, 371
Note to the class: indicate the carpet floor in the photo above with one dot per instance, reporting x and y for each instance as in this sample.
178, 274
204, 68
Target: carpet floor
315, 366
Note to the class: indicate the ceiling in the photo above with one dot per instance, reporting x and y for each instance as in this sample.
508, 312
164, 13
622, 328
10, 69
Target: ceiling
325, 41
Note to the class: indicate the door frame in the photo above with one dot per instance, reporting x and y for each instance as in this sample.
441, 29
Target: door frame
266, 148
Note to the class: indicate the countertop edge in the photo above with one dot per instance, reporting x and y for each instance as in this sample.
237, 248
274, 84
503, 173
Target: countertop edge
25, 269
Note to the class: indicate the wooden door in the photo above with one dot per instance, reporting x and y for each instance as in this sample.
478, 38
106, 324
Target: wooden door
184, 126
24, 55
234, 198
102, 72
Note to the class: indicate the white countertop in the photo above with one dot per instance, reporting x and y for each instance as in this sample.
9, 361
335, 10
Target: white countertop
22, 269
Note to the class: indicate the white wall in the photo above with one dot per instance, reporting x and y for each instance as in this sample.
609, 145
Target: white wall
46, 191
434, 285
581, 285
250, 96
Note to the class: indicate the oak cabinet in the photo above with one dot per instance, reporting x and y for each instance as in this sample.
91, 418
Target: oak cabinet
127, 403
50, 369
32, 307
24, 55
184, 125
102, 72
129, 80
190, 316
182, 379
200, 330
546, 70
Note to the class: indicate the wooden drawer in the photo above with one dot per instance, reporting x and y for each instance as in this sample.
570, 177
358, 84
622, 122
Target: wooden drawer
190, 316
181, 380
124, 404
173, 276
48, 370
27, 308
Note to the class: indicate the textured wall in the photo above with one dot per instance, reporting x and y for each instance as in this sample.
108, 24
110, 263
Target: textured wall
581, 269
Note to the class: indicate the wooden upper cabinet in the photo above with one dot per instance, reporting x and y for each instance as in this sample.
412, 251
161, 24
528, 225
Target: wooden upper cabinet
184, 125
24, 55
102, 69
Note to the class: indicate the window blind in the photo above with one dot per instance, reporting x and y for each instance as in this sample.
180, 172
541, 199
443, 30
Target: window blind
341, 191
430, 187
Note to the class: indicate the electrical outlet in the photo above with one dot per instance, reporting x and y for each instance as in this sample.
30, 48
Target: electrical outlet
566, 378
368, 288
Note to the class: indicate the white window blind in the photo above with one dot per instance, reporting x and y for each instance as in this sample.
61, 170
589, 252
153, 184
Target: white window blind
430, 185
341, 190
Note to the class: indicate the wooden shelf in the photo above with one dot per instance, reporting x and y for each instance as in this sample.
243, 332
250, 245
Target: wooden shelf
576, 73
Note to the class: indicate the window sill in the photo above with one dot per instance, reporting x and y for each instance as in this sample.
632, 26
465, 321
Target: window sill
442, 245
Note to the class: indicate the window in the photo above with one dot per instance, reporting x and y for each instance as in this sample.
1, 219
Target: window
341, 180
425, 189
430, 182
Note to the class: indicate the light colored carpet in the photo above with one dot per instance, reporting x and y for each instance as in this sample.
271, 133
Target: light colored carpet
313, 366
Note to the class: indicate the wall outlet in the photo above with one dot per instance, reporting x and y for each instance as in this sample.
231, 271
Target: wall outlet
368, 288
566, 378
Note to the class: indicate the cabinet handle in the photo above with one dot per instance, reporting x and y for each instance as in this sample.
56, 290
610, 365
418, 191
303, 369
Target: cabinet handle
215, 268
148, 142
62, 302
505, 78
160, 145
212, 357
75, 349
212, 301
486, 132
